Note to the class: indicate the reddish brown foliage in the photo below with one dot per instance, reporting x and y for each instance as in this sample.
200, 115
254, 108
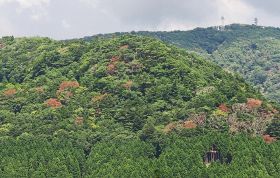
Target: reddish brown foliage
124, 47
111, 68
64, 86
79, 120
114, 59
253, 103
128, 84
223, 108
68, 84
275, 111
2, 45
53, 103
10, 92
189, 125
269, 139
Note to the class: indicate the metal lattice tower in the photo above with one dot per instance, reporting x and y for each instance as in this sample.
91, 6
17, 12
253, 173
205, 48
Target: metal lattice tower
256, 21
223, 23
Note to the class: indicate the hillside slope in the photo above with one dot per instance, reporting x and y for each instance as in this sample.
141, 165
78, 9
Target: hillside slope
127, 79
252, 51
114, 107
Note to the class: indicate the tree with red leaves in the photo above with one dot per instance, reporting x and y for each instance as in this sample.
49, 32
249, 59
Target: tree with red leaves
111, 68
269, 139
253, 103
68, 84
53, 103
63, 92
115, 59
189, 125
223, 108
10, 92
79, 120
124, 47
2, 45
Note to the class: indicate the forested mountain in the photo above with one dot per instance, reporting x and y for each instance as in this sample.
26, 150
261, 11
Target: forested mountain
128, 106
252, 51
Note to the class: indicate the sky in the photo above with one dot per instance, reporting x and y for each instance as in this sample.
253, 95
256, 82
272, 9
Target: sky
65, 19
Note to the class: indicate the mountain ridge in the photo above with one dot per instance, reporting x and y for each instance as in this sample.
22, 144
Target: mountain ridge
249, 50
128, 105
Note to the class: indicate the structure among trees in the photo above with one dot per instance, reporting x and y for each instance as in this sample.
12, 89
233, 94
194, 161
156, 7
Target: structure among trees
212, 155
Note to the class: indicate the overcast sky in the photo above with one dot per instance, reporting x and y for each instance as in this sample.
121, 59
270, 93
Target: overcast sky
62, 19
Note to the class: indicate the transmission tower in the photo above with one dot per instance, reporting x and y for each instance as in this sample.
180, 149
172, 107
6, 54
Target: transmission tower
256, 21
223, 23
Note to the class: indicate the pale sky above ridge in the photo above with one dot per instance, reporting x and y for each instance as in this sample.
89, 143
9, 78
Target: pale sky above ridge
64, 19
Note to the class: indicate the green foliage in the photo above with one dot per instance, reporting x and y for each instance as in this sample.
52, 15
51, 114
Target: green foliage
249, 50
240, 157
29, 156
258, 66
274, 128
120, 158
98, 108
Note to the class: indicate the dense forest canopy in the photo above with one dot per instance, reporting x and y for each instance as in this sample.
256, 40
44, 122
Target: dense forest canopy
250, 50
128, 106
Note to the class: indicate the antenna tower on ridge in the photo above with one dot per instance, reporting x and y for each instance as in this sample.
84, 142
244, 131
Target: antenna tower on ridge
256, 21
223, 23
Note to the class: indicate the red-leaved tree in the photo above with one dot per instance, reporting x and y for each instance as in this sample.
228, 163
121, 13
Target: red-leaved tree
53, 103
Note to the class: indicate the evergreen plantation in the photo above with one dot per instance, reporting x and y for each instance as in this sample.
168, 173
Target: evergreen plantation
128, 106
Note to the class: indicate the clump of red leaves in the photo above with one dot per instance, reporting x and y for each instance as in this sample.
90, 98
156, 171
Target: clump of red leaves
189, 125
2, 45
124, 47
114, 59
68, 84
223, 108
111, 68
268, 139
53, 103
253, 103
64, 86
10, 92
79, 120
